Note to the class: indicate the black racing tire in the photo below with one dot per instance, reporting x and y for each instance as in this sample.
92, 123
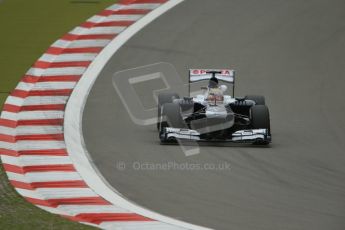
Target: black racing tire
172, 114
163, 98
260, 117
259, 100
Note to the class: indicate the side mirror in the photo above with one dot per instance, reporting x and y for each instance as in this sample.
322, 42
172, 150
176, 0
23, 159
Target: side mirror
223, 88
203, 89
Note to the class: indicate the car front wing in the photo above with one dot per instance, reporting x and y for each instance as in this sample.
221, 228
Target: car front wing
256, 136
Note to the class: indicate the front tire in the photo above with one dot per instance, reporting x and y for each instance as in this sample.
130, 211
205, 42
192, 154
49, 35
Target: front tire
164, 98
172, 114
260, 119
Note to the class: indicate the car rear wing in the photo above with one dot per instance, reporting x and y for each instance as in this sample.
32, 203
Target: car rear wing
225, 75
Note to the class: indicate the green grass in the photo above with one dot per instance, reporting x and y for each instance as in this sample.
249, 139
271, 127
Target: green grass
27, 30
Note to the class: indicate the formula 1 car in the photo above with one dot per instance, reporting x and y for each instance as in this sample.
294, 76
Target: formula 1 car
213, 116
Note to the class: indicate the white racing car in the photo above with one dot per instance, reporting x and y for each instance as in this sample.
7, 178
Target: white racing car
213, 115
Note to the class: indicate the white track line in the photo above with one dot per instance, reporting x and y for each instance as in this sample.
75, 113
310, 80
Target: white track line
98, 30
73, 128
136, 6
57, 193
68, 57
31, 130
37, 137
82, 43
124, 17
56, 71
36, 160
143, 225
36, 100
33, 145
37, 145
33, 115
44, 176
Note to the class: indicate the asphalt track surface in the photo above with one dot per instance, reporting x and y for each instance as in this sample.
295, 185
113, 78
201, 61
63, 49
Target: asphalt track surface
293, 52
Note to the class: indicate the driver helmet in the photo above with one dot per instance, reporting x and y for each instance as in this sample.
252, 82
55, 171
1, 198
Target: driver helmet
213, 83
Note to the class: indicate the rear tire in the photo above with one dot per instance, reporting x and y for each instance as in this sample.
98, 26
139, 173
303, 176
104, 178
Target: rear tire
164, 98
259, 100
